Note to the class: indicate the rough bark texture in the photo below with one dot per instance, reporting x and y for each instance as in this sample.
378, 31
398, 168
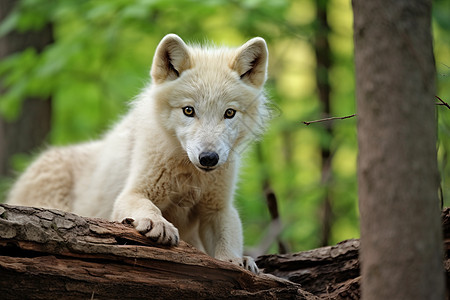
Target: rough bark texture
32, 126
401, 251
49, 254
330, 272
334, 272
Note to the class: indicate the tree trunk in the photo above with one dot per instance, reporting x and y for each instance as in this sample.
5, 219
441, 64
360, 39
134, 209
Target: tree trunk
32, 126
323, 59
49, 254
401, 241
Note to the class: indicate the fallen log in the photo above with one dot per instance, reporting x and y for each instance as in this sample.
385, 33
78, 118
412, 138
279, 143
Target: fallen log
50, 254
329, 272
333, 272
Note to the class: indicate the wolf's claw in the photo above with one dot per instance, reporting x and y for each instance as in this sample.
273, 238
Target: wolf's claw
160, 231
245, 262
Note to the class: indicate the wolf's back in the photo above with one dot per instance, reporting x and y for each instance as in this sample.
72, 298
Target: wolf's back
49, 181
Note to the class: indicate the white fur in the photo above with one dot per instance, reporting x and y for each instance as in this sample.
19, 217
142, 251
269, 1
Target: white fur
147, 167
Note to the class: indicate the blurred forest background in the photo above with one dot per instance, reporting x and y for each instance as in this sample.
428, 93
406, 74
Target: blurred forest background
88, 59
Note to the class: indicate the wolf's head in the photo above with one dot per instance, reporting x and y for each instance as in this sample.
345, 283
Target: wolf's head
210, 99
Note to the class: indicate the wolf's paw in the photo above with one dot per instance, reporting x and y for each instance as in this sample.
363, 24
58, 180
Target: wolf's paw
245, 262
158, 230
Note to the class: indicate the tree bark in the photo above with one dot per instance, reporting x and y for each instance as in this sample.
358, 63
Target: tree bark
32, 126
330, 272
401, 242
49, 254
333, 272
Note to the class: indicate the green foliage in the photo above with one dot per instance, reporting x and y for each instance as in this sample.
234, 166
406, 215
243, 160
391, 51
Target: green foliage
101, 59
441, 30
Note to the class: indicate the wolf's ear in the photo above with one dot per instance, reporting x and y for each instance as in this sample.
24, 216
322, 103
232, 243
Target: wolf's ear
251, 62
170, 60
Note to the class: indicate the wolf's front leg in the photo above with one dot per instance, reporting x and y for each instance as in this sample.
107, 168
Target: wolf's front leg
221, 232
146, 218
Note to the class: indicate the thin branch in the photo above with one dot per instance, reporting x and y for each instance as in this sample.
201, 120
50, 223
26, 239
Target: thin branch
328, 119
442, 102
274, 229
354, 115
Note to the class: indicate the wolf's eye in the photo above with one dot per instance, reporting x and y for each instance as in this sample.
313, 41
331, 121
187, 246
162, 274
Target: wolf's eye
229, 113
189, 111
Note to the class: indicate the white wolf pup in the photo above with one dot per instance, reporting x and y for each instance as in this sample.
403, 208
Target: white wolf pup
170, 165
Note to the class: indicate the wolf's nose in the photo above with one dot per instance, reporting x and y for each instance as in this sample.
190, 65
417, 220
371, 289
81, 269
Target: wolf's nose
208, 159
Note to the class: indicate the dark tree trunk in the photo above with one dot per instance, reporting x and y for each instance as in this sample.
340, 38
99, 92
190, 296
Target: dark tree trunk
323, 59
32, 126
401, 241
